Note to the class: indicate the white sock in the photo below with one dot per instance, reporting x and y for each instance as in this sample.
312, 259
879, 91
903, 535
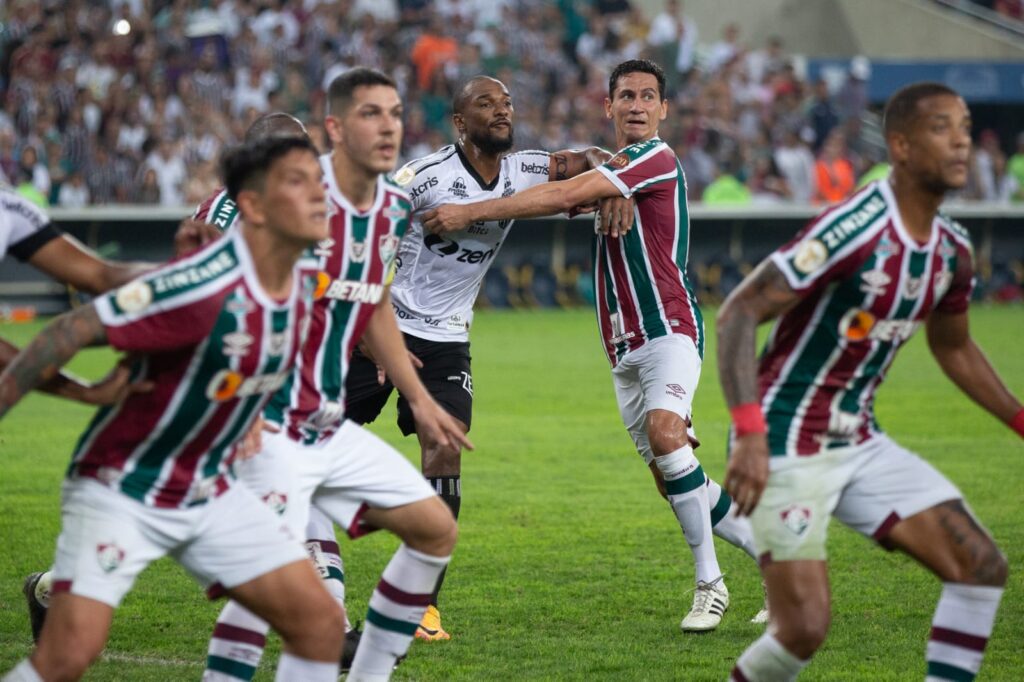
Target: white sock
960, 630
23, 672
684, 484
396, 609
766, 660
726, 524
236, 646
291, 668
323, 549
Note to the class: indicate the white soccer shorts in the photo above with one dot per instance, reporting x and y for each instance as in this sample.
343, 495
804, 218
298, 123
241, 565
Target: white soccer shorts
869, 487
660, 375
108, 538
342, 476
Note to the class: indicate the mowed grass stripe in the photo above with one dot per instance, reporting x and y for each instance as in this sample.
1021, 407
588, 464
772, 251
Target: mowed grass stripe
569, 566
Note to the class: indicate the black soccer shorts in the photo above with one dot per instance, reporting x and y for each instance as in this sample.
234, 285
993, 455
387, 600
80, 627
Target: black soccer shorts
446, 374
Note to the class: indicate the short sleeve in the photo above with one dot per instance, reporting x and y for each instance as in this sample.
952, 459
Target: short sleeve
638, 167
27, 227
958, 297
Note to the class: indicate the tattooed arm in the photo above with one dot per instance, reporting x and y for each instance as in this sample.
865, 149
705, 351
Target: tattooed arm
40, 361
762, 296
105, 392
569, 163
616, 212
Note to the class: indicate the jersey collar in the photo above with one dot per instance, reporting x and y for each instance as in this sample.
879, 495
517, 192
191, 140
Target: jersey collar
487, 187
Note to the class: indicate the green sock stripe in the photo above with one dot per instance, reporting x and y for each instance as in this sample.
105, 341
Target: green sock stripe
721, 509
382, 621
334, 573
949, 672
227, 666
690, 481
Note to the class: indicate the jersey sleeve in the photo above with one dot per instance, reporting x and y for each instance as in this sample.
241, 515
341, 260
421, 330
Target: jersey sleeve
28, 227
218, 210
529, 168
958, 296
637, 168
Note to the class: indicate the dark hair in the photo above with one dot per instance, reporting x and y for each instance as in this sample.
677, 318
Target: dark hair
637, 66
276, 123
246, 166
342, 88
901, 109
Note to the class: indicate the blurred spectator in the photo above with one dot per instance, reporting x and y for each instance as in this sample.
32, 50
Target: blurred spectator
73, 192
1015, 169
169, 168
833, 170
796, 163
852, 98
988, 160
725, 50
767, 184
34, 171
822, 114
727, 190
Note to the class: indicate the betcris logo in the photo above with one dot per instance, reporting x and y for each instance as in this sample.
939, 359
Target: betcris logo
535, 168
423, 187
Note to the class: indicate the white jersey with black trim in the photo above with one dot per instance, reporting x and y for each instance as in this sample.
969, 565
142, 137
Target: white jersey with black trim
438, 278
24, 227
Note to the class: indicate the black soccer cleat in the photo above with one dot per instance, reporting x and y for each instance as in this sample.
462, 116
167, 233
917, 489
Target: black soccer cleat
348, 652
36, 610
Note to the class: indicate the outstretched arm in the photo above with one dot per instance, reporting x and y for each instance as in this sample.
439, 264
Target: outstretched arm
68, 261
965, 364
568, 163
763, 295
385, 342
40, 361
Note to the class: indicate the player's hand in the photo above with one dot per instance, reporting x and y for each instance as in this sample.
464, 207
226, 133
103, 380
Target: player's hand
616, 216
747, 473
434, 425
447, 218
382, 376
114, 387
583, 209
252, 442
192, 235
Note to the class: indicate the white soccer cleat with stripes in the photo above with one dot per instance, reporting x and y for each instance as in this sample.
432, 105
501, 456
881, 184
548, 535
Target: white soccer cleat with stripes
710, 600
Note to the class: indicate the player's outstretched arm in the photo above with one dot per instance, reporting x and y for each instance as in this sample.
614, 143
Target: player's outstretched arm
965, 364
616, 212
540, 200
68, 261
385, 342
41, 360
763, 295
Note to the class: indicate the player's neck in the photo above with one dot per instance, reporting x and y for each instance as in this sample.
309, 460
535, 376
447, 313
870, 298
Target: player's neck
917, 205
354, 182
273, 258
622, 142
486, 165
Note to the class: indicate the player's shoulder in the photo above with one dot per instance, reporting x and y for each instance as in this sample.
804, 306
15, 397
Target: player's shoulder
865, 210
392, 187
187, 281
957, 231
431, 163
528, 161
654, 148
19, 208
217, 208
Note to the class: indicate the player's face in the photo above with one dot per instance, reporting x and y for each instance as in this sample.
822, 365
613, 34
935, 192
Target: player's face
293, 200
938, 144
487, 118
636, 107
369, 131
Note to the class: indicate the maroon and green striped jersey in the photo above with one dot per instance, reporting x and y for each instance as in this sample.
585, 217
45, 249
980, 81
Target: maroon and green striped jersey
218, 210
640, 282
216, 346
354, 265
866, 287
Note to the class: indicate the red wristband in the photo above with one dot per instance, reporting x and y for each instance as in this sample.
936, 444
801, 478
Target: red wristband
1017, 423
748, 419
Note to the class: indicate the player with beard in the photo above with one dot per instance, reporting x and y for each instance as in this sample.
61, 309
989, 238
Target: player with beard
438, 278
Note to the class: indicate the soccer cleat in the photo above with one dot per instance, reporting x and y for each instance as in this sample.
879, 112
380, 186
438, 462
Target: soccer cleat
430, 629
710, 600
348, 652
37, 595
762, 616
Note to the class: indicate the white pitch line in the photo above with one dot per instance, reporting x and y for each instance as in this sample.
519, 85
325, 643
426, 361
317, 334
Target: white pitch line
121, 657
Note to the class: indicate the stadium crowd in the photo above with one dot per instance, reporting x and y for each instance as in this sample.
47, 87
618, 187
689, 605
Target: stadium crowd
132, 101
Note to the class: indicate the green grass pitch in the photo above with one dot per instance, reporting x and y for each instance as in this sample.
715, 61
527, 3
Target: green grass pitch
569, 565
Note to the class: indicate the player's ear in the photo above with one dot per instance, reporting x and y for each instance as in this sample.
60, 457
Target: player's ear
334, 130
664, 110
607, 108
459, 122
250, 205
899, 146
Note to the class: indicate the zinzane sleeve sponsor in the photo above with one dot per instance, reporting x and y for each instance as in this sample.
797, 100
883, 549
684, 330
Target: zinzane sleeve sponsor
640, 168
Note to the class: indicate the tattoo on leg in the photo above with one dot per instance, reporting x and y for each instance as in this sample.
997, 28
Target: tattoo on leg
971, 539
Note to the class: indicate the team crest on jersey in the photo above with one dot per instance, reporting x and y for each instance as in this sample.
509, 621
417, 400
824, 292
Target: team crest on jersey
404, 176
796, 519
236, 344
947, 250
387, 247
134, 296
276, 342
324, 248
619, 161
109, 556
886, 248
811, 255
357, 252
458, 188
943, 280
394, 213
874, 282
239, 306
912, 287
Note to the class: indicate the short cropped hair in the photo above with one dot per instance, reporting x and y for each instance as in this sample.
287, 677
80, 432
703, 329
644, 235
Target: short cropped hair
901, 109
273, 124
342, 88
245, 166
637, 66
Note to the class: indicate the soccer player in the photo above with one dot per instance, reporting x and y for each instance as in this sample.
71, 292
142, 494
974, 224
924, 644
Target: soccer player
848, 291
647, 313
314, 454
217, 333
438, 278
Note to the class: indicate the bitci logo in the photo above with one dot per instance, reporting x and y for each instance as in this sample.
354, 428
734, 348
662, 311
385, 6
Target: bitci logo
796, 518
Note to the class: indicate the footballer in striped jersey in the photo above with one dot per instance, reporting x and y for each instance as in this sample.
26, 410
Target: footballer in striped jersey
649, 322
848, 291
216, 333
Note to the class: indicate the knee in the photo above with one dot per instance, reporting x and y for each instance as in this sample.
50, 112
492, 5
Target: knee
666, 432
805, 634
67, 659
325, 623
444, 532
987, 566
441, 460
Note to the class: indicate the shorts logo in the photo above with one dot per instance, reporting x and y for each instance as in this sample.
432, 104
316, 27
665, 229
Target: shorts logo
277, 502
810, 256
796, 518
109, 556
464, 378
675, 390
